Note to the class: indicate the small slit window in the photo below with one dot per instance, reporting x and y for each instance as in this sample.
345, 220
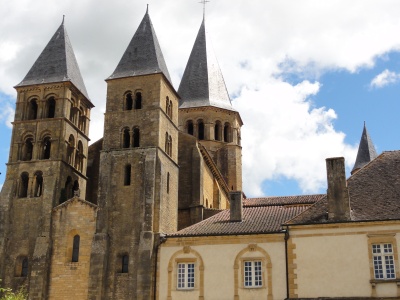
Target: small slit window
127, 175
24, 269
75, 248
125, 263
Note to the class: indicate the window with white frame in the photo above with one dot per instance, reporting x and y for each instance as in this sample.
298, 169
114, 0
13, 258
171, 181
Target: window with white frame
252, 274
383, 260
185, 274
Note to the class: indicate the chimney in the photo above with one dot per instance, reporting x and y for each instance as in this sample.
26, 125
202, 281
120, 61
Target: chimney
236, 206
338, 194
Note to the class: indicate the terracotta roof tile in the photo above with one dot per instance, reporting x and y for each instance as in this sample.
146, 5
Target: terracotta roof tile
260, 219
283, 200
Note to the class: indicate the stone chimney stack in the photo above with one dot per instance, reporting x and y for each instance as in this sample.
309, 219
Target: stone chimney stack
338, 194
236, 206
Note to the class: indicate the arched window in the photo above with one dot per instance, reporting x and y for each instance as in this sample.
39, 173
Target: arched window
75, 188
27, 149
136, 137
128, 101
67, 193
170, 146
81, 121
126, 138
46, 148
32, 109
170, 109
189, 126
79, 157
23, 185
138, 100
70, 150
38, 184
125, 263
127, 175
24, 269
200, 126
168, 183
166, 142
217, 131
75, 249
227, 133
51, 107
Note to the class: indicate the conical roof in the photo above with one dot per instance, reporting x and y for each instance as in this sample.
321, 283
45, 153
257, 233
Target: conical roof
202, 82
143, 55
366, 150
56, 63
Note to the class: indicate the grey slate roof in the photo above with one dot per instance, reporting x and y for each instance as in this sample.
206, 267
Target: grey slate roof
374, 193
202, 82
366, 150
56, 63
143, 55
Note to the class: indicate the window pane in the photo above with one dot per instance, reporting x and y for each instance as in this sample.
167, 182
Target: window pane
257, 273
378, 267
389, 263
181, 276
190, 272
247, 274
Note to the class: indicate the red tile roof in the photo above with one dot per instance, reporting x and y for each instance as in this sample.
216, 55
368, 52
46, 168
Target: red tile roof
259, 219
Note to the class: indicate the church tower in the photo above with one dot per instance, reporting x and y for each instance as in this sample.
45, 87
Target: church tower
138, 175
208, 122
46, 165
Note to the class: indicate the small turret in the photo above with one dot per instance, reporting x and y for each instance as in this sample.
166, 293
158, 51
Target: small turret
366, 151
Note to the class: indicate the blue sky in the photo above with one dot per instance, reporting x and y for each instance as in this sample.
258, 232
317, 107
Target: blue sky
304, 74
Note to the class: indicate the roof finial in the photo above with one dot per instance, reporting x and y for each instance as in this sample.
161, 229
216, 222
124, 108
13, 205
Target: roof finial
204, 2
147, 9
63, 20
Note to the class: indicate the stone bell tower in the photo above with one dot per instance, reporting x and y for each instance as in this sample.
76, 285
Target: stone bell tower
138, 170
209, 127
46, 165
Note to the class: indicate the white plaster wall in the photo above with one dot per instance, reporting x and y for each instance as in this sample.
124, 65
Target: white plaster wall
219, 267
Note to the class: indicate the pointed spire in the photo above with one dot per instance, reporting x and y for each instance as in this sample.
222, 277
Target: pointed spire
56, 63
366, 151
143, 55
202, 82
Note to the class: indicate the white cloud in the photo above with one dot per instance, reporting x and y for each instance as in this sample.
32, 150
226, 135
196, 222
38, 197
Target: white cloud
285, 136
284, 133
385, 78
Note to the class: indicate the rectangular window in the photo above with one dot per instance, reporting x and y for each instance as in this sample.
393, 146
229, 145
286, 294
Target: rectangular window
252, 274
383, 260
185, 276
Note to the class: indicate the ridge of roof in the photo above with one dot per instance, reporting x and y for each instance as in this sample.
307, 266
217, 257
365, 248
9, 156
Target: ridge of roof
366, 150
56, 63
202, 82
143, 56
283, 200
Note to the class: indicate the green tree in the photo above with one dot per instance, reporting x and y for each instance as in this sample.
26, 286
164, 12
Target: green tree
8, 294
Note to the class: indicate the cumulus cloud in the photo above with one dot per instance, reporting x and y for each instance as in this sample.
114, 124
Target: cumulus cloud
385, 78
286, 136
